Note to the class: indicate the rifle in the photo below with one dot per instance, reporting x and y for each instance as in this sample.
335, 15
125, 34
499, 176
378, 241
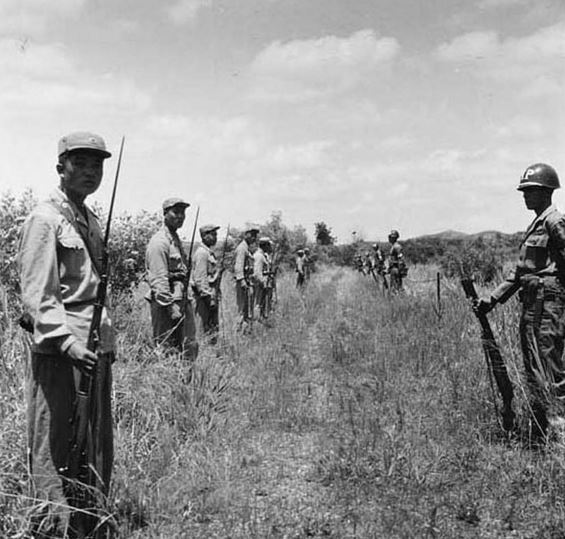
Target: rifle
494, 360
79, 466
189, 261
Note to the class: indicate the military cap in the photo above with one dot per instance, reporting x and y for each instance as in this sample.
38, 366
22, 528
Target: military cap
252, 228
174, 201
204, 229
264, 239
82, 140
300, 251
306, 250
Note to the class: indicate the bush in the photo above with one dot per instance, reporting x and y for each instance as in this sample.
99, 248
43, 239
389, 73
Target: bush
475, 259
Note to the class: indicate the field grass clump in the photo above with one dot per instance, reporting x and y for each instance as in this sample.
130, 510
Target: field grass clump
353, 414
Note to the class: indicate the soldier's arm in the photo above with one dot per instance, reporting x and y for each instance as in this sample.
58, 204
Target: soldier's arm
157, 262
556, 230
40, 284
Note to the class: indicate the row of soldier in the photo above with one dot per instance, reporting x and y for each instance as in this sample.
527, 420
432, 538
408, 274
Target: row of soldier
376, 264
63, 269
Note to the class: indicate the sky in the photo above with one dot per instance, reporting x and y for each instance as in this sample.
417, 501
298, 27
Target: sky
365, 114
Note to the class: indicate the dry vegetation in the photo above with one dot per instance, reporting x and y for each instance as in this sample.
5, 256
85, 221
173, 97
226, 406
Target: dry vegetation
356, 415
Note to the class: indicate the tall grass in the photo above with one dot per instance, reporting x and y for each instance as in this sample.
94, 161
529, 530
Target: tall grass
355, 415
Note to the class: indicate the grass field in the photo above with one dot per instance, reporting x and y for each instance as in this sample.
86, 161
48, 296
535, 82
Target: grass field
355, 415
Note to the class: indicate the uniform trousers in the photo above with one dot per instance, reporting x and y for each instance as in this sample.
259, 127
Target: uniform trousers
51, 383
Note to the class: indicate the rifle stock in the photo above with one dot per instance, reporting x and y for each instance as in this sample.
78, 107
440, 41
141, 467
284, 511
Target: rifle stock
495, 362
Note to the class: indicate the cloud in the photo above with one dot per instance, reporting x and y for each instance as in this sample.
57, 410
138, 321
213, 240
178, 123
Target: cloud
29, 17
184, 11
497, 4
534, 62
303, 70
38, 77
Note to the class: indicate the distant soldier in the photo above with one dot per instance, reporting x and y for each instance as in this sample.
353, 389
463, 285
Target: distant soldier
396, 264
261, 273
307, 264
358, 263
172, 314
60, 250
243, 272
378, 262
205, 278
300, 268
272, 277
540, 279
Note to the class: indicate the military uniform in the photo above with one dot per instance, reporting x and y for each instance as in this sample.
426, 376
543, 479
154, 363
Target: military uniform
243, 272
61, 245
167, 269
261, 278
205, 277
540, 278
300, 269
396, 264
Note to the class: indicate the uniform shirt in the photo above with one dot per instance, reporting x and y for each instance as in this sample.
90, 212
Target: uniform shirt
261, 266
59, 281
542, 252
243, 261
164, 257
395, 255
205, 270
300, 264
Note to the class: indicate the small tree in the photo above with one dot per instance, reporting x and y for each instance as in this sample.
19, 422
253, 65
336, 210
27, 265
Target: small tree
323, 234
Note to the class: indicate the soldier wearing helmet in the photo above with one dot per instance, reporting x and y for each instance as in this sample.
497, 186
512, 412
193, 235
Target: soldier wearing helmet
396, 264
540, 279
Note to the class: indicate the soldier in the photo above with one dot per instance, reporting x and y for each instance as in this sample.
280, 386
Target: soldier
307, 264
60, 250
172, 314
540, 279
206, 284
273, 260
243, 271
300, 268
261, 273
396, 264
377, 261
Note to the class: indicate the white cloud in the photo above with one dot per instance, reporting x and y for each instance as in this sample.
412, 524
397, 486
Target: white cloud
183, 11
534, 62
301, 70
42, 76
29, 17
497, 4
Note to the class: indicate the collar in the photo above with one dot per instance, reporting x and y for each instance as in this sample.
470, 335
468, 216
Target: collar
541, 217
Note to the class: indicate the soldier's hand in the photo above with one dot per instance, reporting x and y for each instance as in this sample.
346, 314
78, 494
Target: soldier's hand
82, 357
243, 284
483, 305
175, 312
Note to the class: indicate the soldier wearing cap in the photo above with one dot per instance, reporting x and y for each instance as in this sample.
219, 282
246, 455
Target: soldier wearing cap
172, 314
261, 276
396, 263
300, 271
539, 278
307, 264
60, 249
243, 272
205, 276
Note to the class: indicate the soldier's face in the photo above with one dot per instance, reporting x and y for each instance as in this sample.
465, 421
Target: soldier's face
174, 217
210, 238
536, 198
81, 172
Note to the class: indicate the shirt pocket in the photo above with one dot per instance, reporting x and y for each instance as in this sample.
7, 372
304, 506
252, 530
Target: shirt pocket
535, 256
72, 255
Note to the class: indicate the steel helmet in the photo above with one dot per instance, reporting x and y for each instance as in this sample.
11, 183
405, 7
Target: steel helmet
539, 175
394, 233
